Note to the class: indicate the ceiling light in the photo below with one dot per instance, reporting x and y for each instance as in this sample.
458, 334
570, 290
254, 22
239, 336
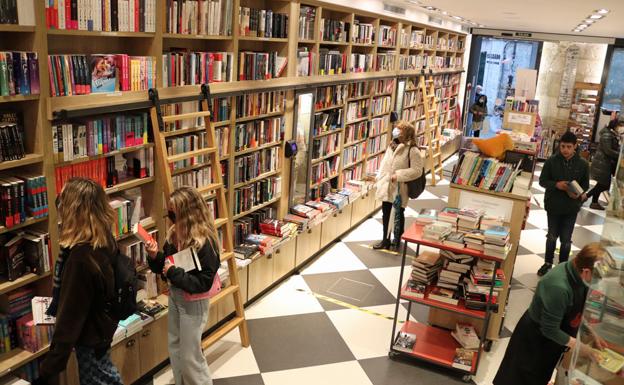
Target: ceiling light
583, 26
430, 8
481, 26
589, 21
602, 11
472, 22
596, 16
458, 18
444, 13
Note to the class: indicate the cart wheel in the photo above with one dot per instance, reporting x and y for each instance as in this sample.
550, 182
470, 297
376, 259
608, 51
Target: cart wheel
392, 355
467, 378
488, 345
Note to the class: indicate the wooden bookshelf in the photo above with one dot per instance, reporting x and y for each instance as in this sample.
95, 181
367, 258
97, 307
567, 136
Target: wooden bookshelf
26, 279
18, 98
18, 357
25, 161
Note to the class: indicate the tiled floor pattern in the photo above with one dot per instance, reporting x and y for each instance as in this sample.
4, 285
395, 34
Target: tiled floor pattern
299, 339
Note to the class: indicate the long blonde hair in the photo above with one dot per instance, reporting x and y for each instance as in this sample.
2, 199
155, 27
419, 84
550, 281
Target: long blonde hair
194, 223
85, 214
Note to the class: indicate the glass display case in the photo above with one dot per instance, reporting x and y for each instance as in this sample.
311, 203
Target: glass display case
599, 359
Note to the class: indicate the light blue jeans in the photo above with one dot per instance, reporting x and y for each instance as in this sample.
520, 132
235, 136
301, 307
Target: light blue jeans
186, 322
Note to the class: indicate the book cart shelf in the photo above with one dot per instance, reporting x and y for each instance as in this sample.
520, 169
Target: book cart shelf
43, 112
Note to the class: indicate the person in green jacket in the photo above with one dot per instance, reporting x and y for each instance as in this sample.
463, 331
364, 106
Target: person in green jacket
549, 327
561, 204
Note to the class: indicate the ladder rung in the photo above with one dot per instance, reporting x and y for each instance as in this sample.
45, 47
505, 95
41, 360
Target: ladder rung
226, 255
437, 154
182, 131
223, 294
220, 222
439, 168
222, 331
190, 154
210, 187
190, 115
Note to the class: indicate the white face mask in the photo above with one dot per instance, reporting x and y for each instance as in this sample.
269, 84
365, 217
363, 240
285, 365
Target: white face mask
396, 132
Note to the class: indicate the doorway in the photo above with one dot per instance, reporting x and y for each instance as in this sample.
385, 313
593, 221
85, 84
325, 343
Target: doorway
492, 70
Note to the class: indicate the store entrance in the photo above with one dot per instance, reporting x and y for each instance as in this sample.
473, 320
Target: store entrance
493, 66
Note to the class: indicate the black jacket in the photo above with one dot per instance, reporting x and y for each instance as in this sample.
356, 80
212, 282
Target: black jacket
557, 168
605, 159
87, 284
192, 282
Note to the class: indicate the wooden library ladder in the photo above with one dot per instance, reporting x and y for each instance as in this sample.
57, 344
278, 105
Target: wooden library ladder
227, 253
432, 127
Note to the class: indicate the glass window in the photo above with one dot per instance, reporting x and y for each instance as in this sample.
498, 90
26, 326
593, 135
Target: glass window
614, 89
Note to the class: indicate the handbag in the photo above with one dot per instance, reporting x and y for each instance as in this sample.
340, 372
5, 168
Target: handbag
214, 290
417, 186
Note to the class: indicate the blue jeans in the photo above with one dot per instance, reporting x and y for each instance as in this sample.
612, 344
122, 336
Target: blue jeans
559, 226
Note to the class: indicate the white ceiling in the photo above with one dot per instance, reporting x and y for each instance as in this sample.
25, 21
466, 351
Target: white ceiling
551, 16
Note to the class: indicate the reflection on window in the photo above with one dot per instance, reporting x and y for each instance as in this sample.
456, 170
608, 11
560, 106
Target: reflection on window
614, 89
302, 136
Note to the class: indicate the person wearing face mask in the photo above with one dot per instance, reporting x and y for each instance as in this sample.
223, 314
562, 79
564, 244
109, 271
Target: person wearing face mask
479, 112
549, 327
192, 228
402, 162
604, 162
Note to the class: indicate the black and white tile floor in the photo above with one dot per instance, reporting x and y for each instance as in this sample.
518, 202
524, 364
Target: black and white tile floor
299, 339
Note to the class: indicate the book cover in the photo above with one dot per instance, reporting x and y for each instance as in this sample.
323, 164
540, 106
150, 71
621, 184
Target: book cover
40, 307
186, 259
103, 73
405, 342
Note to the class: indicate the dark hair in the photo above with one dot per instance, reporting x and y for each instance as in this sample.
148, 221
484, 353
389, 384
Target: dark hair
587, 257
568, 137
484, 96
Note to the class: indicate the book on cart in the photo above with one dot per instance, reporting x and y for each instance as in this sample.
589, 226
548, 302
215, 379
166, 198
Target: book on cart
466, 335
469, 218
405, 342
464, 359
437, 231
442, 294
455, 239
414, 289
474, 239
425, 267
450, 215
488, 221
427, 216
458, 258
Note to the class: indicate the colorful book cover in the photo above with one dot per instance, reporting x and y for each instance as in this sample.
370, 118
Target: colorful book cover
103, 73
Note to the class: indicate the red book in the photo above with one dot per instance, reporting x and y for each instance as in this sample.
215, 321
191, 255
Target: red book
136, 16
211, 60
68, 22
141, 233
53, 90
59, 76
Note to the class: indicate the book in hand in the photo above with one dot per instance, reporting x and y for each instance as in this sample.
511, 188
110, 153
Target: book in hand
575, 188
186, 259
141, 233
40, 307
405, 342
463, 359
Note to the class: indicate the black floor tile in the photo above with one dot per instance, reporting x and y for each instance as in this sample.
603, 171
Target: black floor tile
505, 333
359, 288
419, 312
374, 258
254, 379
587, 218
384, 371
523, 250
282, 343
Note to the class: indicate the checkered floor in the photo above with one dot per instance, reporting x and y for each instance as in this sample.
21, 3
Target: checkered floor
299, 339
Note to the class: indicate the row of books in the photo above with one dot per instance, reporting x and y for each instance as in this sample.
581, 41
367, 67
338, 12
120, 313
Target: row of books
307, 16
24, 252
197, 178
385, 61
325, 145
377, 144
14, 305
102, 15
129, 210
24, 196
199, 17
11, 136
110, 171
353, 154
363, 33
249, 224
485, 173
19, 73
261, 103
378, 125
255, 194
355, 172
187, 143
359, 89
98, 136
381, 105
330, 96
355, 132
251, 166
334, 30
305, 61
194, 68
260, 65
85, 74
257, 133
325, 169
332, 62
361, 62
387, 36
357, 110
373, 163
383, 86
262, 23
220, 109
327, 121
520, 105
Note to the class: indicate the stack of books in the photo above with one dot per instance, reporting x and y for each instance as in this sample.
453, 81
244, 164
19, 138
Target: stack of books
338, 200
450, 215
425, 267
456, 268
305, 211
469, 219
474, 240
264, 242
414, 289
477, 296
482, 273
301, 222
443, 294
490, 221
464, 359
324, 208
245, 250
497, 241
455, 239
277, 228
405, 342
467, 336
437, 231
427, 216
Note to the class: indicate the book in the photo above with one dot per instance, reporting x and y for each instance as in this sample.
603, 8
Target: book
467, 336
414, 289
141, 233
455, 239
40, 306
405, 342
186, 259
610, 360
103, 73
464, 359
575, 188
444, 295
427, 216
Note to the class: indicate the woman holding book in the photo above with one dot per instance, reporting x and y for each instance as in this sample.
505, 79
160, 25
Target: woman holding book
402, 162
191, 235
83, 283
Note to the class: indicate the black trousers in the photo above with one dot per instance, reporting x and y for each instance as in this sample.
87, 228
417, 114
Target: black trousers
595, 192
386, 208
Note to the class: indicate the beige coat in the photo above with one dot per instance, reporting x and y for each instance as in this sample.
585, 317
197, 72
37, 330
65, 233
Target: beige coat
395, 162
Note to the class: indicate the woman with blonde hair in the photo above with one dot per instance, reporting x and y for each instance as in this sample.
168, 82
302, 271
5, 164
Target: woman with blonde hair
192, 230
401, 163
84, 283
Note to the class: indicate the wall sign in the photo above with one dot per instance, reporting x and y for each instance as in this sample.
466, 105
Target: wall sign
569, 76
491, 205
519, 118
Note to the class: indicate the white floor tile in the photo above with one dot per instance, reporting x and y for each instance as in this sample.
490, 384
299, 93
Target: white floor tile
519, 301
228, 358
427, 195
344, 373
286, 299
538, 199
338, 258
164, 377
389, 277
538, 218
595, 228
525, 269
534, 240
490, 361
370, 230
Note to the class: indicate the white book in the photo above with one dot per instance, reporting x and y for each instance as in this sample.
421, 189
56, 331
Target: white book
61, 14
187, 259
26, 12
40, 306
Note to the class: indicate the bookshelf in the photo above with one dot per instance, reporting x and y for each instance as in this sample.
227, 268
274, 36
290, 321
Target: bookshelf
42, 112
582, 119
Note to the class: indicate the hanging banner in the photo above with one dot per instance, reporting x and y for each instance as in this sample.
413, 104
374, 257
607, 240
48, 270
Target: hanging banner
569, 76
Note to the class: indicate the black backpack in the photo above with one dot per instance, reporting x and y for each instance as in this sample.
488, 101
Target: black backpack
123, 304
417, 186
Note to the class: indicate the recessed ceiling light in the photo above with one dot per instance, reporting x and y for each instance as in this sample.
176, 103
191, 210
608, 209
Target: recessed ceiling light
430, 8
481, 26
596, 16
458, 18
602, 11
444, 13
583, 26
589, 21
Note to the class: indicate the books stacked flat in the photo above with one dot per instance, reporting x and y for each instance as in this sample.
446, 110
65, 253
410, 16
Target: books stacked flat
455, 239
477, 296
338, 200
132, 324
278, 228
474, 240
325, 208
467, 336
425, 267
301, 222
427, 216
469, 219
245, 250
497, 241
482, 273
414, 289
443, 294
305, 211
351, 193
485, 173
450, 215
437, 231
456, 267
490, 221
264, 242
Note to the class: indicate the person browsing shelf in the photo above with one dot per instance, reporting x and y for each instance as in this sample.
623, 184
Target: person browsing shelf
192, 233
402, 162
479, 113
604, 162
562, 204
84, 282
549, 327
